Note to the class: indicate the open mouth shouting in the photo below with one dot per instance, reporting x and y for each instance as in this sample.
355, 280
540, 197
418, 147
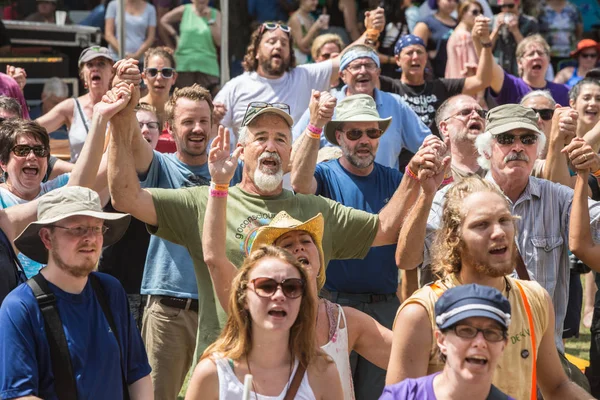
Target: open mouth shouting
498, 250
269, 162
31, 170
536, 66
591, 112
96, 77
474, 125
477, 360
277, 312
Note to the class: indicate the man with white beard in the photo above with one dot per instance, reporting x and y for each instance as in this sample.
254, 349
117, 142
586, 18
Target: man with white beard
265, 147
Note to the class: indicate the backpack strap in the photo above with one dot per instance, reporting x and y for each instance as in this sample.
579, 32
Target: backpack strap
64, 379
533, 341
101, 296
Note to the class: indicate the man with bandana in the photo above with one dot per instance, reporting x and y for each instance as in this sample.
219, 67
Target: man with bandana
425, 97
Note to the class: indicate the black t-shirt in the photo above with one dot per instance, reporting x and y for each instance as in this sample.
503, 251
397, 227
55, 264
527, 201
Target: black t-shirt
125, 259
9, 271
424, 99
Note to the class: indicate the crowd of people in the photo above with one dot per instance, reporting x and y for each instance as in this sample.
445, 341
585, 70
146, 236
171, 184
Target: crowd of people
394, 203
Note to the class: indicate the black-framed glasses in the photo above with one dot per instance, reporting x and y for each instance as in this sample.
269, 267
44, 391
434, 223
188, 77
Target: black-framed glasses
589, 55
291, 288
271, 26
23, 150
255, 106
527, 139
465, 112
469, 332
509, 6
165, 72
150, 125
355, 134
80, 231
545, 113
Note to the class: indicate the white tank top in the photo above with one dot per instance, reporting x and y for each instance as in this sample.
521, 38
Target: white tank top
77, 131
230, 387
337, 349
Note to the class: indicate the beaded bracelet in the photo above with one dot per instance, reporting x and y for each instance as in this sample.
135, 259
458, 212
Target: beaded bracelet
218, 193
313, 132
219, 186
410, 173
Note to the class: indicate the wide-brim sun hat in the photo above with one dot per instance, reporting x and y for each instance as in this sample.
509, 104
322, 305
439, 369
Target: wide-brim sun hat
355, 108
63, 203
283, 223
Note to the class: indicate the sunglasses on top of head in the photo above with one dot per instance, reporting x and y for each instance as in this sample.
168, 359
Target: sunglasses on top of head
271, 26
544, 113
165, 72
292, 288
527, 139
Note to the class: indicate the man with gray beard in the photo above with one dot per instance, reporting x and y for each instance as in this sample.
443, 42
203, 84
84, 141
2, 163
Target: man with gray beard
264, 146
357, 181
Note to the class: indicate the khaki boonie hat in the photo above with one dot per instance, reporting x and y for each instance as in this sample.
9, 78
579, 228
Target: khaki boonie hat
508, 117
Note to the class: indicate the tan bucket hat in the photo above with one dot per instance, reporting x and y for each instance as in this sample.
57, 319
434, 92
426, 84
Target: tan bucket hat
355, 108
63, 203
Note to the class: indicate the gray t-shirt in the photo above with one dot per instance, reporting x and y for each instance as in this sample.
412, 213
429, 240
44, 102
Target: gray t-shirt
136, 27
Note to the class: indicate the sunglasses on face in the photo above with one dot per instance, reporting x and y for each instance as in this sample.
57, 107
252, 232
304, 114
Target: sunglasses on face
469, 332
271, 26
509, 6
544, 113
266, 287
355, 134
80, 231
508, 138
165, 72
23, 150
589, 55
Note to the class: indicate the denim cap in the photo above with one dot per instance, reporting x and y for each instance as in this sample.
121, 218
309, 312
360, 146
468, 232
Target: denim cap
407, 40
355, 108
354, 54
472, 300
508, 117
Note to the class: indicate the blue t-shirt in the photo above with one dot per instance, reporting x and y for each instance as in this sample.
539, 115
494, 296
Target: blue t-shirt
377, 272
25, 365
422, 389
7, 199
169, 270
406, 130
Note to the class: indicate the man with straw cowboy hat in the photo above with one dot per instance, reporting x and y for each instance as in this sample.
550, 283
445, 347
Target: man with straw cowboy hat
358, 181
64, 335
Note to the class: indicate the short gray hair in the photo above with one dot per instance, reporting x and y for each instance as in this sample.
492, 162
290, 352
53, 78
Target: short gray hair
11, 105
539, 93
484, 143
56, 87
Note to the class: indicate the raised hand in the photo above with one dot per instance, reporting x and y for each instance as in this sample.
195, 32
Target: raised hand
127, 70
375, 19
219, 110
564, 124
321, 106
115, 100
582, 156
481, 29
430, 163
18, 74
221, 163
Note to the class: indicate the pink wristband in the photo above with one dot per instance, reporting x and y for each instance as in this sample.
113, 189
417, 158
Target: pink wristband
410, 173
218, 193
313, 131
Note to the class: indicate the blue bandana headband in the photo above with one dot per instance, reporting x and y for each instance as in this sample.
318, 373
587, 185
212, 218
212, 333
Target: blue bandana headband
352, 55
407, 40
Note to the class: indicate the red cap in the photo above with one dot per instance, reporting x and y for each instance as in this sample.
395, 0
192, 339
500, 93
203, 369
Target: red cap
585, 44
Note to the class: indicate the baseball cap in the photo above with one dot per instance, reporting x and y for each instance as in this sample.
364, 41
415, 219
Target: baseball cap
94, 52
508, 117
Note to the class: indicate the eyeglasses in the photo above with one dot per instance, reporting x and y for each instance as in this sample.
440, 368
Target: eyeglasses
544, 113
508, 138
355, 134
150, 125
510, 6
23, 150
469, 332
255, 106
475, 13
589, 55
534, 53
354, 68
271, 26
266, 287
165, 72
466, 112
80, 231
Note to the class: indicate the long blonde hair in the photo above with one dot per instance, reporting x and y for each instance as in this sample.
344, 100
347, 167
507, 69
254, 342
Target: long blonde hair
235, 340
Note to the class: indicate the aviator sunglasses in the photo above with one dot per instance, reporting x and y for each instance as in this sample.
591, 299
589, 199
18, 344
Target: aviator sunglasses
165, 72
23, 150
508, 138
355, 134
469, 332
266, 287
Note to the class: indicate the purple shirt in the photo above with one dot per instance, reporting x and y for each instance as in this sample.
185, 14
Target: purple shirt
10, 88
422, 389
513, 90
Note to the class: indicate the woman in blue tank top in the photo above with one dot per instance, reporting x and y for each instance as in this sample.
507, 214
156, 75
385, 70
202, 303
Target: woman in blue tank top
586, 55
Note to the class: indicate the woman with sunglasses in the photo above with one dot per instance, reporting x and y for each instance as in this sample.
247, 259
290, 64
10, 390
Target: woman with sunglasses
586, 55
472, 332
340, 330
269, 334
159, 76
196, 43
462, 57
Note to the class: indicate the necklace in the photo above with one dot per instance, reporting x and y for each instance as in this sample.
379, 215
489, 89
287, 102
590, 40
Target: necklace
287, 385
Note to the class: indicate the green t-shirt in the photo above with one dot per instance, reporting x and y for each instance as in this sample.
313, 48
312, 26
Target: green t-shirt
348, 234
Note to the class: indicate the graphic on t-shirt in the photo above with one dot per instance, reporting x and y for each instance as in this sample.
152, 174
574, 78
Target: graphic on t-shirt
423, 106
246, 230
193, 180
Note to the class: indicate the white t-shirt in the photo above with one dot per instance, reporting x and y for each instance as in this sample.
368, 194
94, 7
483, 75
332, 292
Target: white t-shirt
293, 88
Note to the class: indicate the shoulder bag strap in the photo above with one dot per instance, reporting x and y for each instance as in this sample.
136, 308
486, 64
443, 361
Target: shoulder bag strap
101, 296
81, 115
295, 385
533, 340
64, 379
521, 268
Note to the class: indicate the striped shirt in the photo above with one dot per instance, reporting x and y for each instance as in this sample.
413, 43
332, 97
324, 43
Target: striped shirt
542, 238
